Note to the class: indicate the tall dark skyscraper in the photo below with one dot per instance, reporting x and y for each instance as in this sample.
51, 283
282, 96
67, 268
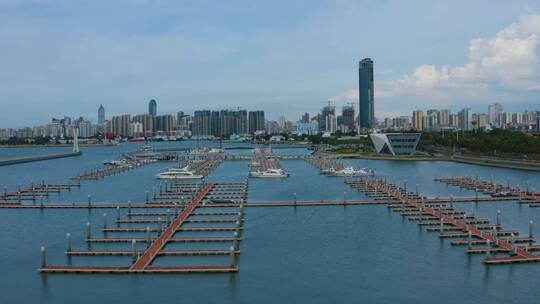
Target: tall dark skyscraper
256, 121
101, 114
347, 117
152, 108
366, 94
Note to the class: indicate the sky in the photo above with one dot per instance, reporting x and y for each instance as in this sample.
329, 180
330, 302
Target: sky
66, 57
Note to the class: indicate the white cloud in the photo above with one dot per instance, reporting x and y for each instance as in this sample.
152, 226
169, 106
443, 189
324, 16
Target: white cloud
508, 60
497, 67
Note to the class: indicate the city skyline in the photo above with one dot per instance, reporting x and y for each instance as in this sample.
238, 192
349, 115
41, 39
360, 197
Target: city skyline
308, 55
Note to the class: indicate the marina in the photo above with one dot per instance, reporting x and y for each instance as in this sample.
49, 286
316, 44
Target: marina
181, 226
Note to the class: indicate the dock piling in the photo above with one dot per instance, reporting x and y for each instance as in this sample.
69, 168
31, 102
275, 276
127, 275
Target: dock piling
89, 201
134, 250
235, 242
68, 242
531, 229
88, 231
160, 227
104, 220
117, 213
147, 196
43, 257
148, 236
233, 256
498, 218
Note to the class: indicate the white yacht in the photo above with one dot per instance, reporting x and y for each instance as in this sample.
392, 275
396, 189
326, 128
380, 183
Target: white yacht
178, 173
350, 171
270, 173
330, 170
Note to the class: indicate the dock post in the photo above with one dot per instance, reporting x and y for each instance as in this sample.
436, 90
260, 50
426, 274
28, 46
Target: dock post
117, 213
43, 263
451, 202
154, 190
160, 228
441, 229
134, 250
495, 240
129, 210
344, 198
472, 210
498, 219
531, 229
488, 252
19, 196
104, 220
68, 242
88, 231
235, 241
148, 237
294, 194
147, 196
469, 240
176, 209
233, 256
160, 188
168, 216
476, 194
89, 201
237, 229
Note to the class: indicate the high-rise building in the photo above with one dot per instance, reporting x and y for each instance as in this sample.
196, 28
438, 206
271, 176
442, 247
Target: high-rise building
444, 118
494, 112
120, 125
152, 108
328, 110
164, 123
538, 123
366, 94
201, 123
465, 119
147, 122
256, 121
454, 120
347, 117
330, 123
418, 120
305, 118
101, 114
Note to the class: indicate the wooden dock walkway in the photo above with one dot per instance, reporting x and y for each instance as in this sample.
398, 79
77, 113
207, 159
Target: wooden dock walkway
474, 231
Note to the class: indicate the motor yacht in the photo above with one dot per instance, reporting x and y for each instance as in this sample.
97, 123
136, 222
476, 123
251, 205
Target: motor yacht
270, 173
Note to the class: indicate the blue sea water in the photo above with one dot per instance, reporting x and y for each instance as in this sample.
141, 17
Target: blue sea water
332, 254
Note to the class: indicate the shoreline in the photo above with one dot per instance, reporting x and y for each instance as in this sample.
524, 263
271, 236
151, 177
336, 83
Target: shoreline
472, 160
53, 146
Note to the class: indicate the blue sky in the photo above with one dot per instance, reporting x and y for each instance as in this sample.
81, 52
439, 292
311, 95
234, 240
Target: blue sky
285, 57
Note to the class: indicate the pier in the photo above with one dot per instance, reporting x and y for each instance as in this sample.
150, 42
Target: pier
34, 192
34, 158
470, 230
494, 190
165, 227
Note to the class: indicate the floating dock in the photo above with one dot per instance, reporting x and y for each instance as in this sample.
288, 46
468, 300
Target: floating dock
165, 227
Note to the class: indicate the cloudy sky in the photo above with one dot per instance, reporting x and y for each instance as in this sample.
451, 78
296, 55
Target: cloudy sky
66, 57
